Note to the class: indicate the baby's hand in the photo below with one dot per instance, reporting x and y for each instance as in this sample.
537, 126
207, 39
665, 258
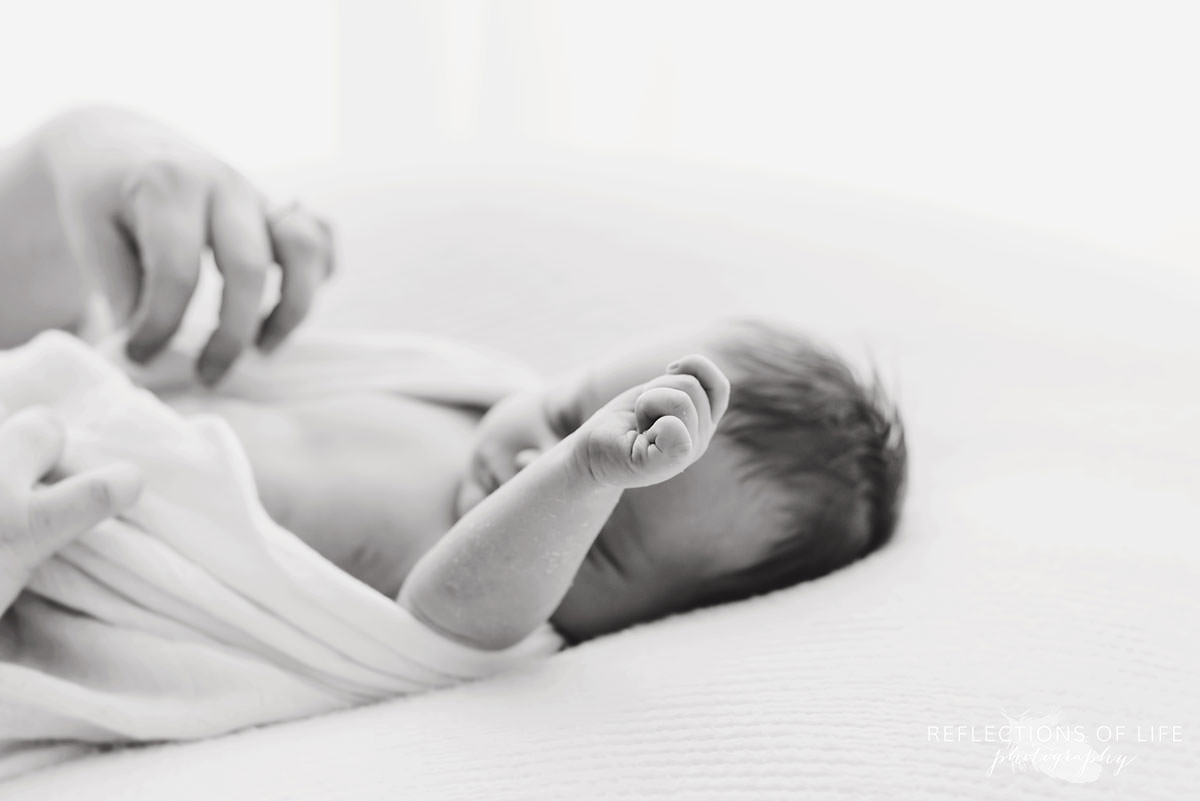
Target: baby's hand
654, 431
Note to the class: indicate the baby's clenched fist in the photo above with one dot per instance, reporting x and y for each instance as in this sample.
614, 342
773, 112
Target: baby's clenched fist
654, 431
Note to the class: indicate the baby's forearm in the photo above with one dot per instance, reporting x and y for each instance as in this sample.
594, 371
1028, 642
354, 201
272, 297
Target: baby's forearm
507, 564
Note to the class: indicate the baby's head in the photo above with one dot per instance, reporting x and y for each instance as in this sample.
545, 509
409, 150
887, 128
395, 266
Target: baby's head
805, 475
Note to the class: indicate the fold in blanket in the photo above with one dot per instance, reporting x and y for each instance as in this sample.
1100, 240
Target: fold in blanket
194, 614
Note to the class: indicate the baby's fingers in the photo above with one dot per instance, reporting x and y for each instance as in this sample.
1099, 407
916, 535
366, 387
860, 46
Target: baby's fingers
657, 403
670, 437
714, 382
60, 512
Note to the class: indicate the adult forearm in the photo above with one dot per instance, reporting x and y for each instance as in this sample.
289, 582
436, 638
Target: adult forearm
507, 564
41, 286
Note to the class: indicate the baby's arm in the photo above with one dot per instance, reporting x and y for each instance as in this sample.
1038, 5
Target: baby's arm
506, 565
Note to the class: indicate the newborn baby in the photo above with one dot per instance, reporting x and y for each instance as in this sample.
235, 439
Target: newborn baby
642, 485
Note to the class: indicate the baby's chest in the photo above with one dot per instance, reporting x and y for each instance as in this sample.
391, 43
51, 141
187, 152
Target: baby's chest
369, 481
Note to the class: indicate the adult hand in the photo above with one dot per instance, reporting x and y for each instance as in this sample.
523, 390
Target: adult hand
140, 205
37, 520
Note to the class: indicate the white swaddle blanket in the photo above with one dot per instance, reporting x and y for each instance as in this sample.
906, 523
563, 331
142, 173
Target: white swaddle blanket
194, 614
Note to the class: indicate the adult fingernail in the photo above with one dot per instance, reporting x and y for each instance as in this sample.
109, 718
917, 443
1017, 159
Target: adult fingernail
672, 367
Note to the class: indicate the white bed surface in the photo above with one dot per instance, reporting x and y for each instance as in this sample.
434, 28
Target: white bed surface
1048, 560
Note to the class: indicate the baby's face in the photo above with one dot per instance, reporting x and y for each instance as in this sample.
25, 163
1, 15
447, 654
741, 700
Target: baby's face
664, 543
661, 545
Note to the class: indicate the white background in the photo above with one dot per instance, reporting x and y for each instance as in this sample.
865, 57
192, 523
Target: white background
1078, 119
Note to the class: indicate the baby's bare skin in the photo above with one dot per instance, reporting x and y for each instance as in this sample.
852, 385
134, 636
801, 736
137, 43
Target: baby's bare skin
367, 480
378, 484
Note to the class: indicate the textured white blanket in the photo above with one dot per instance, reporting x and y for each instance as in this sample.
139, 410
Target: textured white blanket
194, 614
1048, 561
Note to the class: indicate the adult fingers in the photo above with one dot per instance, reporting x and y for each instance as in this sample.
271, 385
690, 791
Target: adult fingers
164, 210
31, 443
303, 247
242, 249
107, 250
61, 512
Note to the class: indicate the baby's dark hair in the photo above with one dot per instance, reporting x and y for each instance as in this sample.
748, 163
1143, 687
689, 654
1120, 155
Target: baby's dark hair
835, 444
